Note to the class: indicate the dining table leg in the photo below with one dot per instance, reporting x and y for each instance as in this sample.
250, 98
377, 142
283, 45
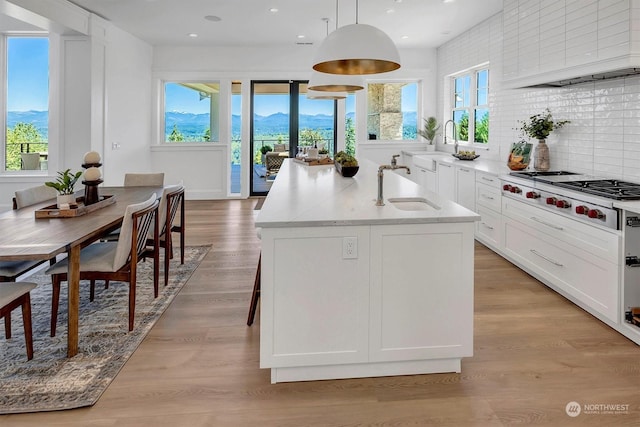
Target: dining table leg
73, 280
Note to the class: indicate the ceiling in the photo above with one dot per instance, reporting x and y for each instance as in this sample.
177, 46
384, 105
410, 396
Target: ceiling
410, 23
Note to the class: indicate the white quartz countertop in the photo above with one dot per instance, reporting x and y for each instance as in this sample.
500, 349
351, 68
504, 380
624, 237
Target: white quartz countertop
493, 167
304, 196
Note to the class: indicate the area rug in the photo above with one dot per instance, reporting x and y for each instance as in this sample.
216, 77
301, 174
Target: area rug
51, 381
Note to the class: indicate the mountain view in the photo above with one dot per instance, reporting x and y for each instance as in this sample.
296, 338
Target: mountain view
193, 125
39, 119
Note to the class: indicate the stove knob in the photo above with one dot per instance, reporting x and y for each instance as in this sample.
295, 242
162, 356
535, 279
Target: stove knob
532, 195
515, 189
596, 213
563, 204
582, 210
551, 200
506, 187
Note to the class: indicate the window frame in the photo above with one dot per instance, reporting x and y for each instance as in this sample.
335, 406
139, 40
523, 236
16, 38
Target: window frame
4, 110
161, 119
473, 106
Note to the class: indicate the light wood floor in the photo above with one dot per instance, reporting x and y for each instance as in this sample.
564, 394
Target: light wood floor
534, 353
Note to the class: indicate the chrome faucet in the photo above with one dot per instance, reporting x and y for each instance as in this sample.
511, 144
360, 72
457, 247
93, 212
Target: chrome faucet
455, 137
392, 166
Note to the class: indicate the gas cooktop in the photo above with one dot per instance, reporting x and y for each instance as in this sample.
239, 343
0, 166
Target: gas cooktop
607, 188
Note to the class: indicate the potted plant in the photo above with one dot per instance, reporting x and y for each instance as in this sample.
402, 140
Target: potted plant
323, 153
64, 185
264, 150
539, 126
346, 164
430, 131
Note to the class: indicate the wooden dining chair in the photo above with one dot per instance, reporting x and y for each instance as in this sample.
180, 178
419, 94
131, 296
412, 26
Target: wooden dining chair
172, 199
12, 296
115, 261
11, 270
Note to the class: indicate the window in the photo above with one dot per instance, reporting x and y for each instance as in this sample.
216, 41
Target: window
392, 111
26, 113
471, 100
191, 112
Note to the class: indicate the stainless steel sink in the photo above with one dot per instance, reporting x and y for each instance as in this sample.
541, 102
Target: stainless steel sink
413, 204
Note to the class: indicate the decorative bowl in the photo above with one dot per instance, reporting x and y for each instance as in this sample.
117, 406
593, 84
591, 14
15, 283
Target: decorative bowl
346, 171
465, 156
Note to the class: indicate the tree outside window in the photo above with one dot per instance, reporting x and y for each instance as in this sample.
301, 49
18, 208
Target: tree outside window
26, 107
470, 111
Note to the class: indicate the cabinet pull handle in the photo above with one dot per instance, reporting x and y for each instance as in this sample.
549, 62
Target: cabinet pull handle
487, 179
533, 251
546, 223
445, 165
487, 197
464, 170
488, 226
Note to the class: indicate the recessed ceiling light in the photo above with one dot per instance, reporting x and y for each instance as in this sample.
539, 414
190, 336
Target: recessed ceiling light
192, 35
448, 1
405, 37
213, 18
300, 36
390, 10
273, 10
398, 1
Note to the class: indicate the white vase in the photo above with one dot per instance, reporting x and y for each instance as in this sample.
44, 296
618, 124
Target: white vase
65, 199
431, 147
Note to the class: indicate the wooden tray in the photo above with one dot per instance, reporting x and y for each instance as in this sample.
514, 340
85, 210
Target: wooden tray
53, 211
315, 162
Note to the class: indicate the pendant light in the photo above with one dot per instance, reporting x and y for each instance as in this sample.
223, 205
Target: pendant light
357, 49
331, 82
323, 94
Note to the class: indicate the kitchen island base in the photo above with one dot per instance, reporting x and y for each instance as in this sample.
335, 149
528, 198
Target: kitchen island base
365, 370
350, 289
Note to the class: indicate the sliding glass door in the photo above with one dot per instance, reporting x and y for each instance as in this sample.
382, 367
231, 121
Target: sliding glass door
282, 118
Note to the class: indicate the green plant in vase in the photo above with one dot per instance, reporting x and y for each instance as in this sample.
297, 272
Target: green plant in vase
539, 126
430, 130
65, 186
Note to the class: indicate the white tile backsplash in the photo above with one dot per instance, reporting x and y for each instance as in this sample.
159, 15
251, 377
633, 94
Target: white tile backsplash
603, 137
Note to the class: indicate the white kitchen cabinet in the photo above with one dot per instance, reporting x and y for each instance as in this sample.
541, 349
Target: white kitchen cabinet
574, 259
350, 289
555, 41
489, 206
426, 178
421, 307
466, 187
446, 181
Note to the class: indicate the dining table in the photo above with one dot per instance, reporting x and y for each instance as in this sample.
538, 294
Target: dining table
25, 237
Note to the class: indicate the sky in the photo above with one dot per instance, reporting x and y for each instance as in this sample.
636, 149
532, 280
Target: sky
28, 88
28, 80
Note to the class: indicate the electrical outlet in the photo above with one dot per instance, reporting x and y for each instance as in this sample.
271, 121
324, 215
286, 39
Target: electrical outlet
349, 247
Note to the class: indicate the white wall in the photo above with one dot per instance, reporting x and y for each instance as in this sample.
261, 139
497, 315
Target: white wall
603, 137
100, 94
258, 63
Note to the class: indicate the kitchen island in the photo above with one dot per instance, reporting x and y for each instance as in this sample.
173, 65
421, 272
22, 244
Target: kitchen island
350, 289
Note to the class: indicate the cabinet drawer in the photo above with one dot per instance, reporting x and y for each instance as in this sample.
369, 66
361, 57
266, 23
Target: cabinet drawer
601, 243
587, 278
489, 197
489, 228
488, 179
